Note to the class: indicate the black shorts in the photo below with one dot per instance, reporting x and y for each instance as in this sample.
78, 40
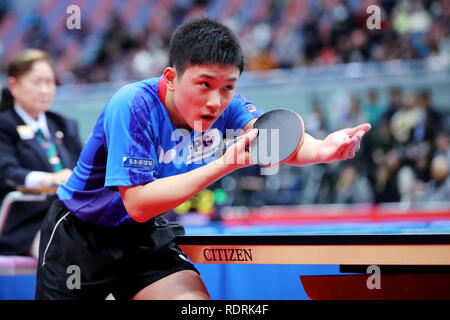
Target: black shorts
78, 260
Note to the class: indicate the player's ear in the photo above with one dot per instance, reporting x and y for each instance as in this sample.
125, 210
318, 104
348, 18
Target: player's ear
12, 84
170, 74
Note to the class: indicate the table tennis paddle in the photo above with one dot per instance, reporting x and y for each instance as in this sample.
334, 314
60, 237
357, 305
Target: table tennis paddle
280, 136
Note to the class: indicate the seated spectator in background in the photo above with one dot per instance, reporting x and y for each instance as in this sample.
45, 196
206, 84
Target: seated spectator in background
405, 119
264, 60
430, 121
250, 185
352, 187
317, 122
385, 185
418, 148
381, 142
442, 144
387, 180
4, 9
421, 166
38, 148
438, 189
37, 35
373, 109
384, 163
354, 114
395, 102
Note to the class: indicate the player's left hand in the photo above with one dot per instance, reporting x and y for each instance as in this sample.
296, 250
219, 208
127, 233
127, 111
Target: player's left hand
342, 144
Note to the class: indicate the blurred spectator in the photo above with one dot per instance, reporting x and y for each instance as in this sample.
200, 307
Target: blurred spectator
354, 116
410, 18
316, 121
405, 119
286, 46
196, 10
250, 186
148, 61
375, 148
406, 179
116, 43
383, 163
282, 188
381, 142
442, 144
418, 148
4, 9
314, 45
263, 60
385, 184
373, 109
37, 34
395, 102
430, 121
38, 147
352, 187
274, 34
438, 189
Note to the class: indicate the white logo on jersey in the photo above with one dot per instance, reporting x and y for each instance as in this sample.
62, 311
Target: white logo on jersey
186, 151
204, 146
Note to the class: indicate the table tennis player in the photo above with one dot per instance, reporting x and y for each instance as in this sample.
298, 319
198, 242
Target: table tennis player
154, 147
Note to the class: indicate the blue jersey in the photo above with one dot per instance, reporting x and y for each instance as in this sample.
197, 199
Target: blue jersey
134, 142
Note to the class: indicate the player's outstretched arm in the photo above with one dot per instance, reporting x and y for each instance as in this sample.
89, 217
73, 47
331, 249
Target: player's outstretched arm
338, 145
144, 202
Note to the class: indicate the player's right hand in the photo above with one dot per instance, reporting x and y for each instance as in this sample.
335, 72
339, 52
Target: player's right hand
238, 155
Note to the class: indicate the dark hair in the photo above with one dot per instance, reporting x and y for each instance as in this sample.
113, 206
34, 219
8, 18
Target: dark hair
6, 99
204, 41
17, 67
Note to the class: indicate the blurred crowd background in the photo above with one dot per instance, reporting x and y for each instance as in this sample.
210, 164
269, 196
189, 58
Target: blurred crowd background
406, 156
129, 39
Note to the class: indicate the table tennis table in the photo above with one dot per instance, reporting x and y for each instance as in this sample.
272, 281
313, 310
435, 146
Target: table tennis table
412, 266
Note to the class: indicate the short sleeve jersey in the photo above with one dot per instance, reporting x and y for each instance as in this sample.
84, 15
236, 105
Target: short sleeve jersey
134, 142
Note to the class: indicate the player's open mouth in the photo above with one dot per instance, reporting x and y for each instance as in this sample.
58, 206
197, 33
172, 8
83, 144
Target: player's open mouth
207, 118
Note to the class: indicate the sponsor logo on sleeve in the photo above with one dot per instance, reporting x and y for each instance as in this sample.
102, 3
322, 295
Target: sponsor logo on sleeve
137, 163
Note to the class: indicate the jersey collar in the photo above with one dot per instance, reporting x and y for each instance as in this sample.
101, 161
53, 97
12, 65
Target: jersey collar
162, 86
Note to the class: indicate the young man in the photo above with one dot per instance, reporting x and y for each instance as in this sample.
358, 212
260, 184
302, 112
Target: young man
138, 164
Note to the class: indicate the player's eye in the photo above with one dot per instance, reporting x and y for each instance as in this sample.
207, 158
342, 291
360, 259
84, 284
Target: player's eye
205, 84
35, 81
229, 88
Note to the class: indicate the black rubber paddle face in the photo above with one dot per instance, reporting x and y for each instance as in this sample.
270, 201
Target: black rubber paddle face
280, 135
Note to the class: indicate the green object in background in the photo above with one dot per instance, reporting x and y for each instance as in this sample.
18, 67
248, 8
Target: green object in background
220, 196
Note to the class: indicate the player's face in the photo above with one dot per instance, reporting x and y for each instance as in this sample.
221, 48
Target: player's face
204, 92
34, 91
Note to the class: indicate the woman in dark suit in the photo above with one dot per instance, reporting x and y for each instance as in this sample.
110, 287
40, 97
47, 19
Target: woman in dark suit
38, 147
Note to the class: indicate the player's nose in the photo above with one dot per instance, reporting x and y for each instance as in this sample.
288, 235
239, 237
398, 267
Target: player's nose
213, 102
